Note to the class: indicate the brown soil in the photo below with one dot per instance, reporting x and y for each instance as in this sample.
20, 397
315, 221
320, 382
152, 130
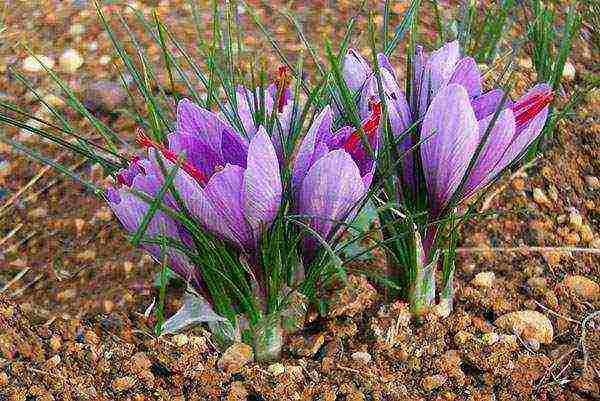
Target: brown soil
73, 292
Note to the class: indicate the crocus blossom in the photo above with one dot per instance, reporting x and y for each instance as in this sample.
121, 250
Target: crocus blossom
333, 170
231, 186
452, 116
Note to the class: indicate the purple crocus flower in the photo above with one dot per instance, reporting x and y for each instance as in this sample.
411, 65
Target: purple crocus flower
447, 99
332, 171
130, 210
232, 187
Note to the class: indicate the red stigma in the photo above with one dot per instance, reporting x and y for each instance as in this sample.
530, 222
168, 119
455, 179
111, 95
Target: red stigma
529, 108
369, 127
144, 141
282, 82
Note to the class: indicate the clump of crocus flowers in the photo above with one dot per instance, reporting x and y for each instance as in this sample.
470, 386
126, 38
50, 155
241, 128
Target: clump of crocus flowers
453, 139
228, 202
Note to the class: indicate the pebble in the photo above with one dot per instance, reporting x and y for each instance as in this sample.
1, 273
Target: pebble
362, 357
104, 60
462, 337
104, 214
592, 182
582, 286
235, 357
484, 279
38, 213
70, 61
123, 383
104, 94
575, 219
3, 379
140, 362
595, 243
587, 235
276, 369
79, 225
537, 282
490, 338
55, 343
87, 255
430, 383
528, 324
180, 340
568, 72
31, 64
540, 197
77, 29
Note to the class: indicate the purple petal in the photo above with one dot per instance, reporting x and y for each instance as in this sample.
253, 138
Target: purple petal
384, 63
234, 148
245, 99
224, 191
331, 189
356, 70
487, 104
437, 73
497, 142
450, 133
466, 73
196, 151
262, 184
319, 131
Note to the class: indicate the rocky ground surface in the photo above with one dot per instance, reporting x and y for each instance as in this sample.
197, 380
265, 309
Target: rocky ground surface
73, 294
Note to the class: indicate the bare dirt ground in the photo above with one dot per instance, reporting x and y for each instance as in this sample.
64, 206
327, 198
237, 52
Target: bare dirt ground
73, 292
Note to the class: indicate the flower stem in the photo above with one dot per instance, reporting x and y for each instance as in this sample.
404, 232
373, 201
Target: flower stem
268, 339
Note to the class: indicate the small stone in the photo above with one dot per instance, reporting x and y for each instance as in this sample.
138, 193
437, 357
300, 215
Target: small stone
582, 286
127, 267
66, 294
140, 362
104, 214
77, 29
575, 219
462, 337
3, 379
362, 357
490, 338
553, 193
53, 362
105, 95
180, 340
518, 184
569, 72
87, 255
235, 357
276, 369
53, 100
592, 182
70, 61
108, 306
528, 324
79, 224
540, 197
537, 282
587, 235
104, 60
595, 243
55, 343
38, 213
510, 340
31, 64
484, 279
91, 337
430, 383
123, 383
